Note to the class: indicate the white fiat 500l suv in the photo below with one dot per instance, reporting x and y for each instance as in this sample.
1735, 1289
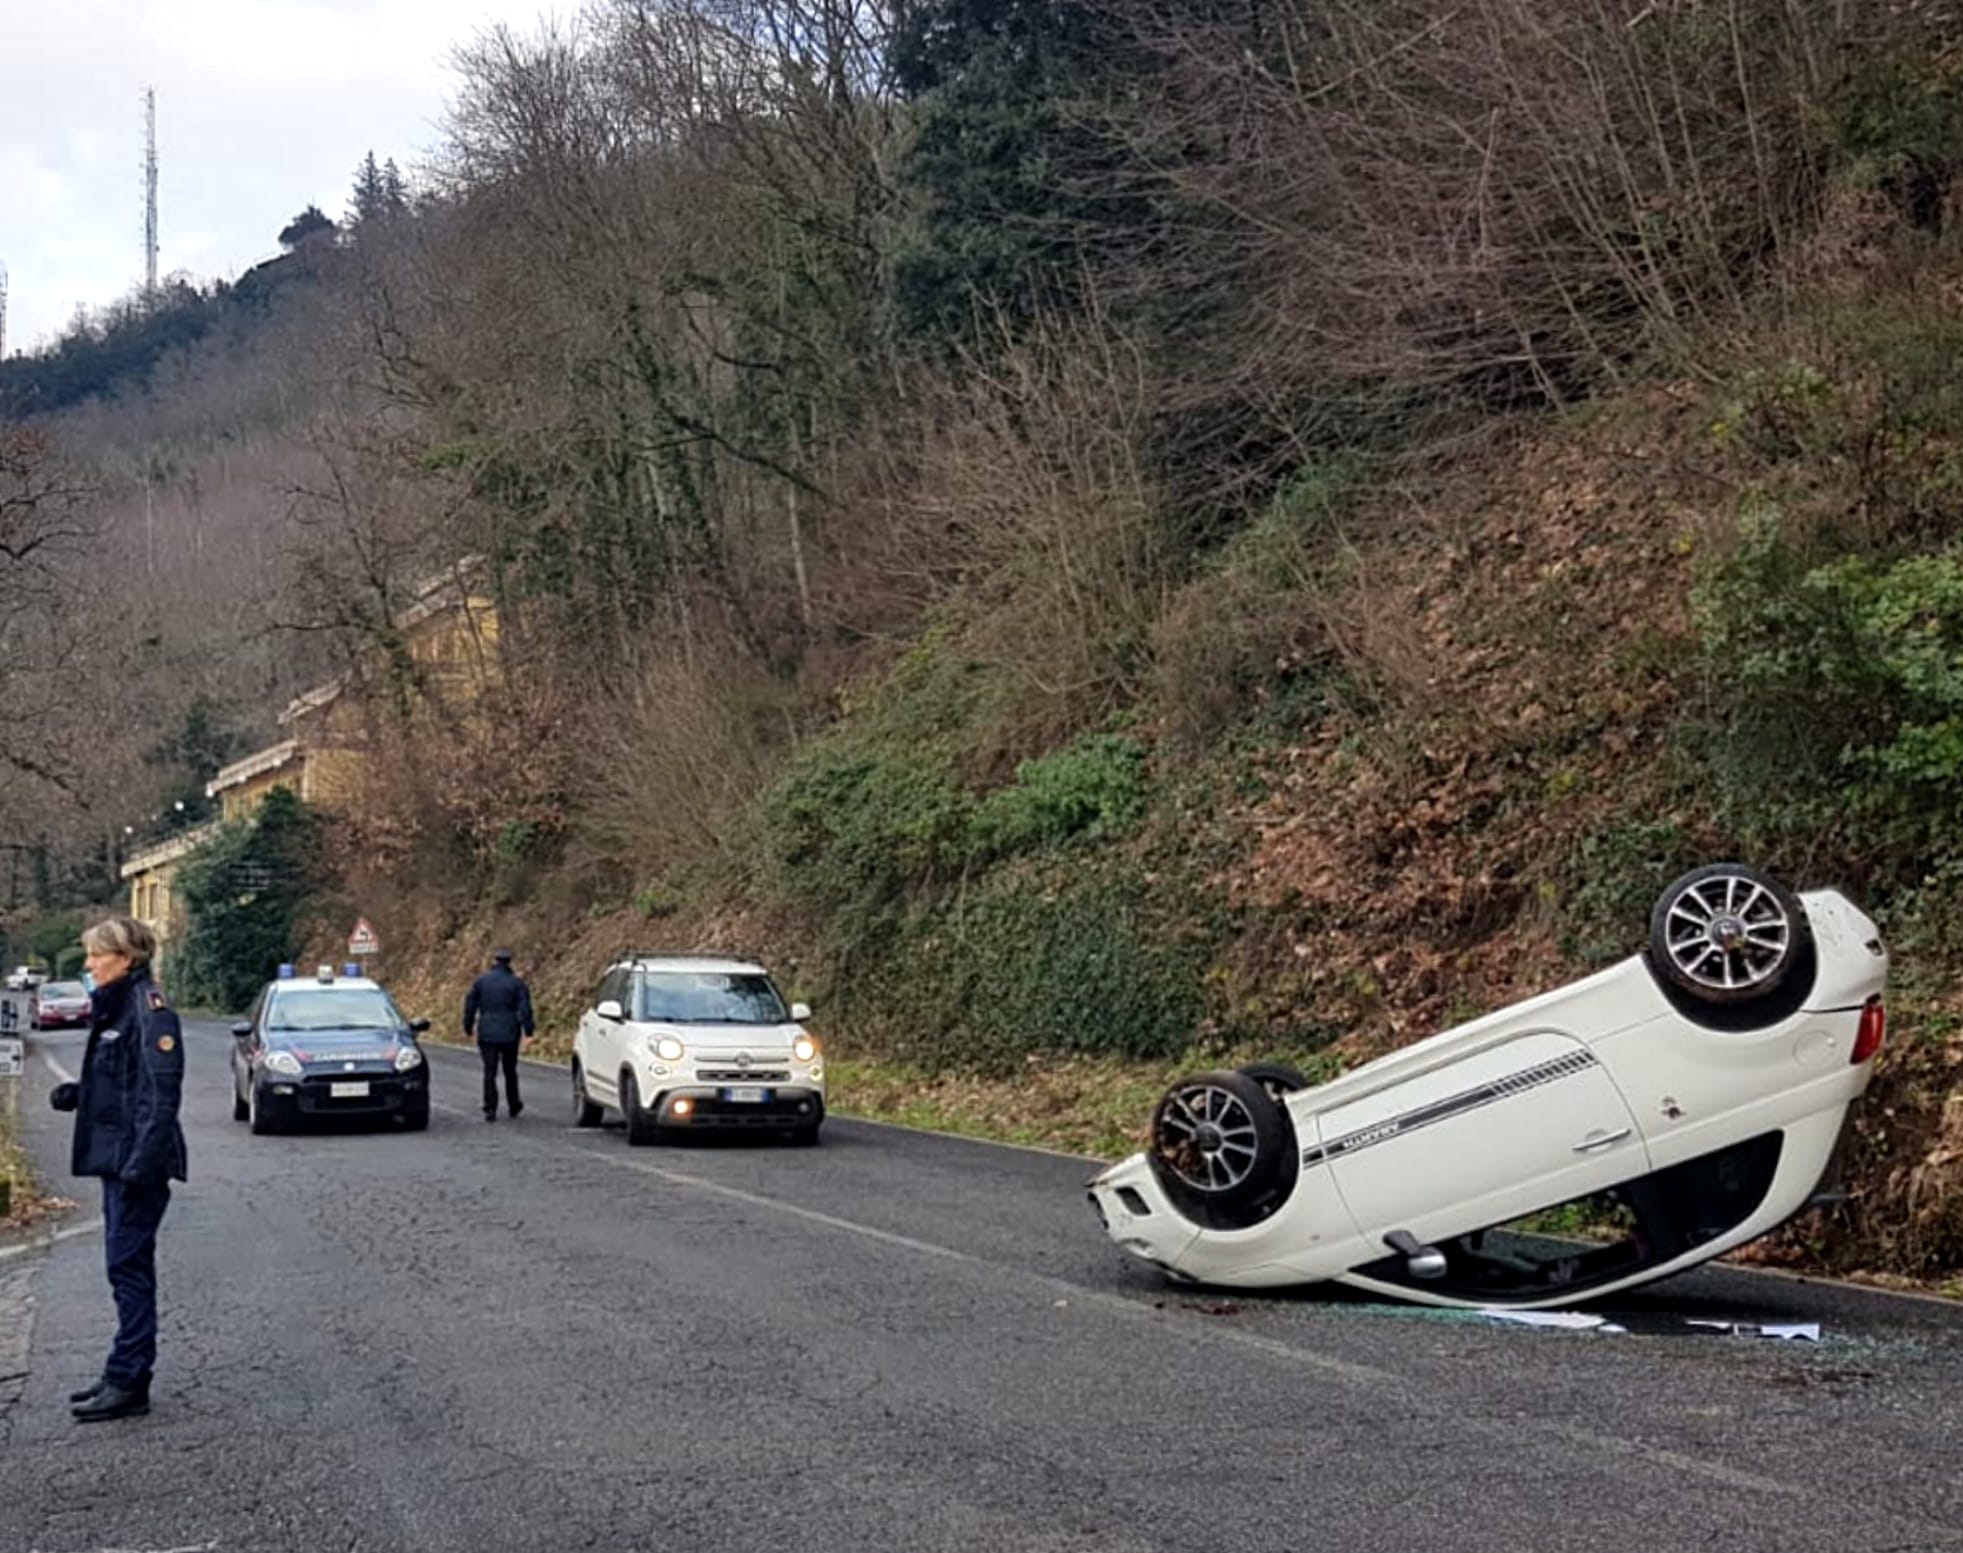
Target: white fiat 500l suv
1671, 1107
696, 1043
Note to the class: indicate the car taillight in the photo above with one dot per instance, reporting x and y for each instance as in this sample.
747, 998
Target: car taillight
1874, 1029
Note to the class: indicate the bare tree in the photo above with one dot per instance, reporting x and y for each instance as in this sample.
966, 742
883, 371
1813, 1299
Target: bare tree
46, 525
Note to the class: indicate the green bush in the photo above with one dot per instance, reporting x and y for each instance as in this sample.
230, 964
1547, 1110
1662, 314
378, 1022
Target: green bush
1017, 967
655, 899
1836, 684
853, 829
1901, 131
244, 892
1095, 788
56, 940
1614, 876
520, 847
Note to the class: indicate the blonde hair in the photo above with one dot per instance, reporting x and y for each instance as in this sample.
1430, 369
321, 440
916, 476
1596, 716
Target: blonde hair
121, 935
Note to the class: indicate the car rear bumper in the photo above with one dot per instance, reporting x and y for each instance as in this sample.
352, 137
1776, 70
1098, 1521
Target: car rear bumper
709, 1107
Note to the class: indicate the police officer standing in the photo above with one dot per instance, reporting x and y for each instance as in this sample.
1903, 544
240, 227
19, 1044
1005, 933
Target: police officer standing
498, 1013
126, 1132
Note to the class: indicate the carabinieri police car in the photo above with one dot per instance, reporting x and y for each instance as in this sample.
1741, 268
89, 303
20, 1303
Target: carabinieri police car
324, 1046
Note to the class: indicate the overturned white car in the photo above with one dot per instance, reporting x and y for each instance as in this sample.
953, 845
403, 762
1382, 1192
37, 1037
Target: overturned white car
1676, 1105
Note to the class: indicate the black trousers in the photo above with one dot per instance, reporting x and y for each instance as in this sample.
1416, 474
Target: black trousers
130, 1217
494, 1056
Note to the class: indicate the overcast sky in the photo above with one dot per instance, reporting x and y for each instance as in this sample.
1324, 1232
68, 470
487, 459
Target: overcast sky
263, 107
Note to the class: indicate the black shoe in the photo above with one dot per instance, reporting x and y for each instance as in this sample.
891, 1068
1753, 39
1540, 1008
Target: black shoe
490, 1116
516, 1107
78, 1397
114, 1401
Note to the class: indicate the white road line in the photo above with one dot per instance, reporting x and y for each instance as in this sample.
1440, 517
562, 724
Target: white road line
62, 1075
189, 1547
55, 1237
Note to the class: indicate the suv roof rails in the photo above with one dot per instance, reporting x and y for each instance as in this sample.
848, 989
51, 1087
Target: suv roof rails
688, 954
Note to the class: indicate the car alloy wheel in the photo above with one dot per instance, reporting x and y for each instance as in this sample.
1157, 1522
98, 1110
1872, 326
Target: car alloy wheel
1728, 934
1206, 1135
1220, 1142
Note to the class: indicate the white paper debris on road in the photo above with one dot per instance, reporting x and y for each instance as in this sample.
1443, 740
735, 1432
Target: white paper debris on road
1787, 1331
1566, 1320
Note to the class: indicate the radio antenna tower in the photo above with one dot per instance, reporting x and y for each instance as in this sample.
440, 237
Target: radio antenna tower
150, 193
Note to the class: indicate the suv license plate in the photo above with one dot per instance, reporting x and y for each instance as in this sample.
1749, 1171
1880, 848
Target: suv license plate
746, 1096
348, 1091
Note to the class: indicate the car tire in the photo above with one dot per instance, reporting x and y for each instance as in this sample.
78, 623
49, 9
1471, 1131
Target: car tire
586, 1113
805, 1137
256, 1116
1726, 935
1277, 1078
1220, 1143
641, 1129
240, 1110
415, 1115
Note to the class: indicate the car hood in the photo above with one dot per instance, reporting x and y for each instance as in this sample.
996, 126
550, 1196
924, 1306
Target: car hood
312, 1046
772, 1042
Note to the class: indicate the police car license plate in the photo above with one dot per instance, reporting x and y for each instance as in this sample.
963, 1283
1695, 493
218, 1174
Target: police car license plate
747, 1095
351, 1091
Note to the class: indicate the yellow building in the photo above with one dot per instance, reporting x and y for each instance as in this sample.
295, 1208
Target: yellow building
152, 875
449, 635
242, 786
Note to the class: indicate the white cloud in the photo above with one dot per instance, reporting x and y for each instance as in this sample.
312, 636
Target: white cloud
263, 107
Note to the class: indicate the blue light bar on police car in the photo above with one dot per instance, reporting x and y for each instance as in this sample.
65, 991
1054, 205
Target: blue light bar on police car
286, 973
350, 970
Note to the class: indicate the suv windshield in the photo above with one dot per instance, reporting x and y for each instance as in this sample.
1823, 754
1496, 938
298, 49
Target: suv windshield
333, 1008
710, 998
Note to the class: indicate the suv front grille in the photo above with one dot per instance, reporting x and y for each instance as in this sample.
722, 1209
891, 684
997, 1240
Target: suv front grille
743, 1075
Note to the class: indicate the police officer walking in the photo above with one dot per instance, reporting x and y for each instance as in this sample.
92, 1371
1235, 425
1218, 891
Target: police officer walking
126, 1132
498, 1013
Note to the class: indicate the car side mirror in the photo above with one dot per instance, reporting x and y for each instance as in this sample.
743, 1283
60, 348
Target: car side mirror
241, 1031
800, 1012
611, 1010
418, 1026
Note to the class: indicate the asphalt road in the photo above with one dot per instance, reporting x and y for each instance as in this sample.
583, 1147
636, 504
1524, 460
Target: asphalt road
523, 1336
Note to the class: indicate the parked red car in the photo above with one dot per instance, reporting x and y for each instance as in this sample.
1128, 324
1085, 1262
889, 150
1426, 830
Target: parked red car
59, 1004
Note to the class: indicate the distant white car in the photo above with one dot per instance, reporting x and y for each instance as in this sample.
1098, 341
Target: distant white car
1679, 1104
24, 978
696, 1043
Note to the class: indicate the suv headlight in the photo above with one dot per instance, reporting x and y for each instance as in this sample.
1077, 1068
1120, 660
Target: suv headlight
408, 1057
668, 1049
284, 1062
804, 1048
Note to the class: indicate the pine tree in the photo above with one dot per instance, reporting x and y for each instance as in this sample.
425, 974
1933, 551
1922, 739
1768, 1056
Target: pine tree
371, 195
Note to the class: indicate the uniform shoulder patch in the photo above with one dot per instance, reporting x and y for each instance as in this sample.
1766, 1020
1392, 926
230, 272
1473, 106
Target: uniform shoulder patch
166, 1043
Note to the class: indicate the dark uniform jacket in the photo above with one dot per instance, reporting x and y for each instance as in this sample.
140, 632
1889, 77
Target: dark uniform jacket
126, 1101
499, 1008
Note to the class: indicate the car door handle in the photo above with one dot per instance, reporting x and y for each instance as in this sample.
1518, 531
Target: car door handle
1600, 1140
